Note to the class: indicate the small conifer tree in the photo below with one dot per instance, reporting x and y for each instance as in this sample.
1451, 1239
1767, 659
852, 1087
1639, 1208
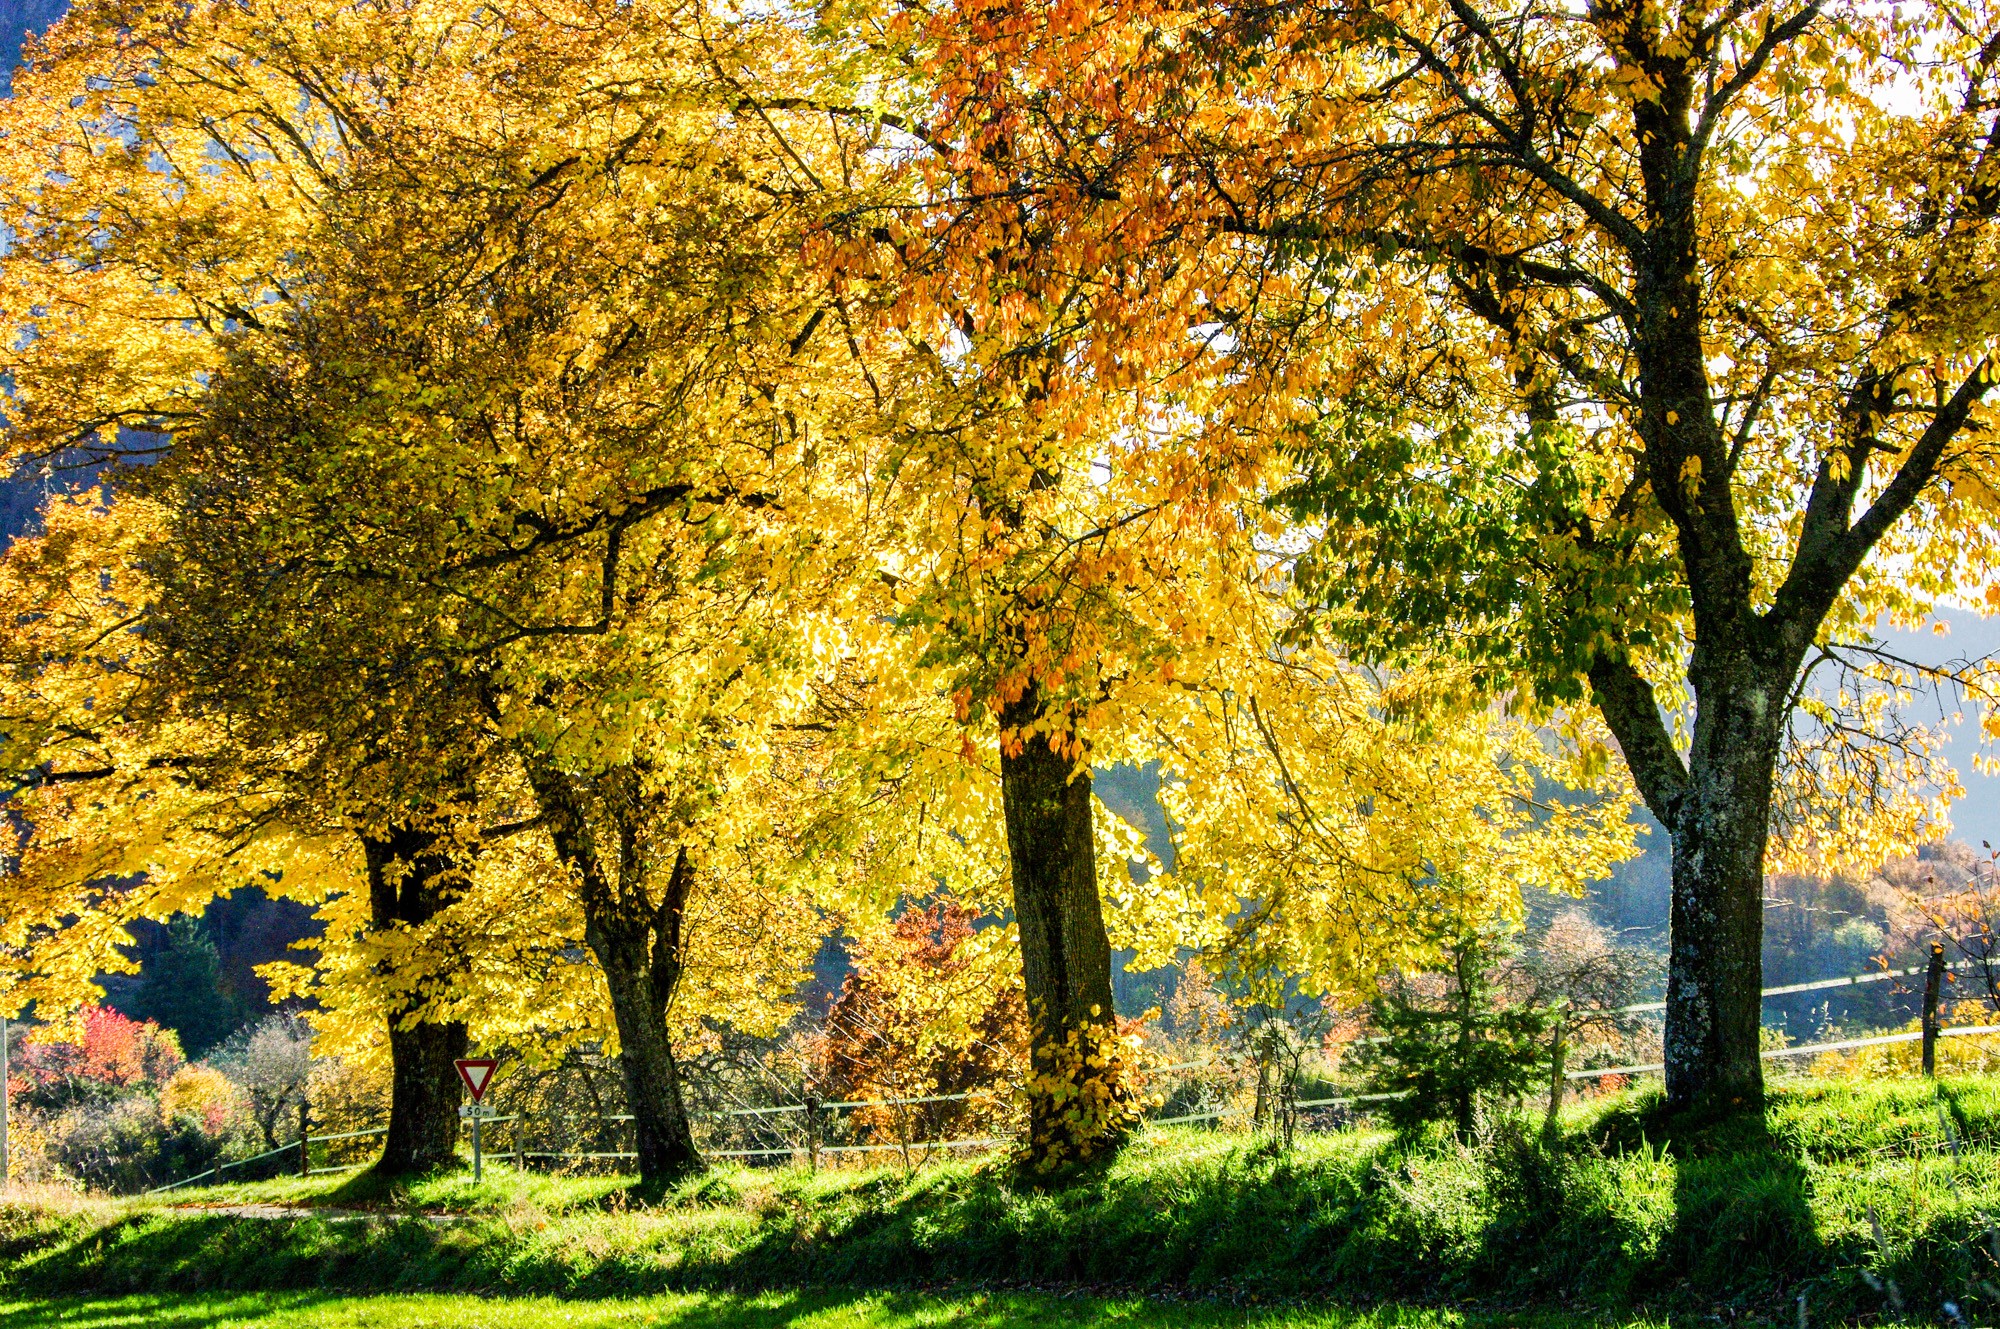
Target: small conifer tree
1444, 1042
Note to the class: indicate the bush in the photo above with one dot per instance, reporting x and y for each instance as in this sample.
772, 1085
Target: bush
205, 1095
126, 1145
99, 1055
271, 1064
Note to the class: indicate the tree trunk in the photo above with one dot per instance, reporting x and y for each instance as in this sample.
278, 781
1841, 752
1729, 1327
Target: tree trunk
1715, 967
663, 1137
409, 881
1065, 954
639, 943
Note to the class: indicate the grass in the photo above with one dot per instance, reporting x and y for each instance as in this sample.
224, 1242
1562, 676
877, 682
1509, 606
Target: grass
296, 1310
447, 1193
1632, 1216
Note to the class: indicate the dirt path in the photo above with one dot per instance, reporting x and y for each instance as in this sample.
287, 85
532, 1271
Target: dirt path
325, 1214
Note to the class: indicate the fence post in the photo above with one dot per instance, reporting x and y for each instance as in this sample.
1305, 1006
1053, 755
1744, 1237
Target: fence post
6, 1106
1933, 986
812, 1130
1288, 1102
305, 1141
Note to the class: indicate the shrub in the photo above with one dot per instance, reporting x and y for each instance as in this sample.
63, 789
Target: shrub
927, 1011
98, 1055
126, 1145
1448, 1041
205, 1095
271, 1063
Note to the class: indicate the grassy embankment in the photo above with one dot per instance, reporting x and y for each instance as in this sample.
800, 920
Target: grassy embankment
1628, 1219
782, 1310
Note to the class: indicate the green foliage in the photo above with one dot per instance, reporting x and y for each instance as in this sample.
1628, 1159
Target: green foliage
1457, 551
1629, 1212
181, 988
1450, 1041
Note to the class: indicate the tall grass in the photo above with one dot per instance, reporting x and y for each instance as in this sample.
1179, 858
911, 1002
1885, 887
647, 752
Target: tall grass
1630, 1213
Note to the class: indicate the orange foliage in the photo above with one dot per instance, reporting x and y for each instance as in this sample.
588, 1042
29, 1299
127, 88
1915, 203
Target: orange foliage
928, 1011
99, 1051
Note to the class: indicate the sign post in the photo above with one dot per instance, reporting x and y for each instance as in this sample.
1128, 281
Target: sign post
5, 1106
477, 1072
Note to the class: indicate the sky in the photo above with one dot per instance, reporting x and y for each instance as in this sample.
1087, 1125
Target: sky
17, 19
1977, 817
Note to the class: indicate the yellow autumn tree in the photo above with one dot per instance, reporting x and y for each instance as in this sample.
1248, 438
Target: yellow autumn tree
1642, 357
514, 448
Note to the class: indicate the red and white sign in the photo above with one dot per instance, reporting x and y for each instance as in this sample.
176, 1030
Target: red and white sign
477, 1072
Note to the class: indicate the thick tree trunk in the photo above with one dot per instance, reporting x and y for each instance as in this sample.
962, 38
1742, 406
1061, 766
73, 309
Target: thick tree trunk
424, 1096
1721, 821
1716, 806
633, 921
663, 1137
1065, 954
409, 882
1715, 968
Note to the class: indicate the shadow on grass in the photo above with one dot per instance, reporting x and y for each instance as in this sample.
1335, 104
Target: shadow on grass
1636, 1210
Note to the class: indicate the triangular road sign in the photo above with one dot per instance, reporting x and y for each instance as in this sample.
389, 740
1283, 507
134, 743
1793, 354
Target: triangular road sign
477, 1072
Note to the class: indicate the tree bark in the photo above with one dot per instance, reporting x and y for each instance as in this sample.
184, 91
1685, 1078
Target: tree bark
1717, 809
1715, 969
662, 1134
634, 923
1558, 1065
1065, 954
410, 880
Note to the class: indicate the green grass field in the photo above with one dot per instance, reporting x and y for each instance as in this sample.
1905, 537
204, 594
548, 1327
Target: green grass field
1855, 1196
296, 1310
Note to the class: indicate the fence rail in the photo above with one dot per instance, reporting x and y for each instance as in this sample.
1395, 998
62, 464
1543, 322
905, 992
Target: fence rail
287, 1147
1817, 985
1210, 1114
1803, 1050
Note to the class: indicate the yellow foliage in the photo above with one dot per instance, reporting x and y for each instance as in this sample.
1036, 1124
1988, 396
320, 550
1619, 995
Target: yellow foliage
201, 1092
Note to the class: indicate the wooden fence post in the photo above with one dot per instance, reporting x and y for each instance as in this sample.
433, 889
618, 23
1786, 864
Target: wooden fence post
305, 1140
1933, 988
812, 1130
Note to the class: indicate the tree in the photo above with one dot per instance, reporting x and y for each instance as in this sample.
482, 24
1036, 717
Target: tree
479, 501
213, 700
180, 988
271, 1062
1584, 981
928, 1011
1055, 591
1643, 356
1450, 1040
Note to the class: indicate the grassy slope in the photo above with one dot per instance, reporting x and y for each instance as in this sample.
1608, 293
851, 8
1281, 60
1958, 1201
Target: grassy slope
1744, 1215
311, 1310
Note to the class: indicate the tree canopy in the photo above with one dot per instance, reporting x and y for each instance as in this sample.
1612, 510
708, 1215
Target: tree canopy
603, 498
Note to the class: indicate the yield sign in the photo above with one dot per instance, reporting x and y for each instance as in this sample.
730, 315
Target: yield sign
477, 1072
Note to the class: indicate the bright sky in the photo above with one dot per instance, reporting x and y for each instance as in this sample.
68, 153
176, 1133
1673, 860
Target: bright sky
1978, 816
